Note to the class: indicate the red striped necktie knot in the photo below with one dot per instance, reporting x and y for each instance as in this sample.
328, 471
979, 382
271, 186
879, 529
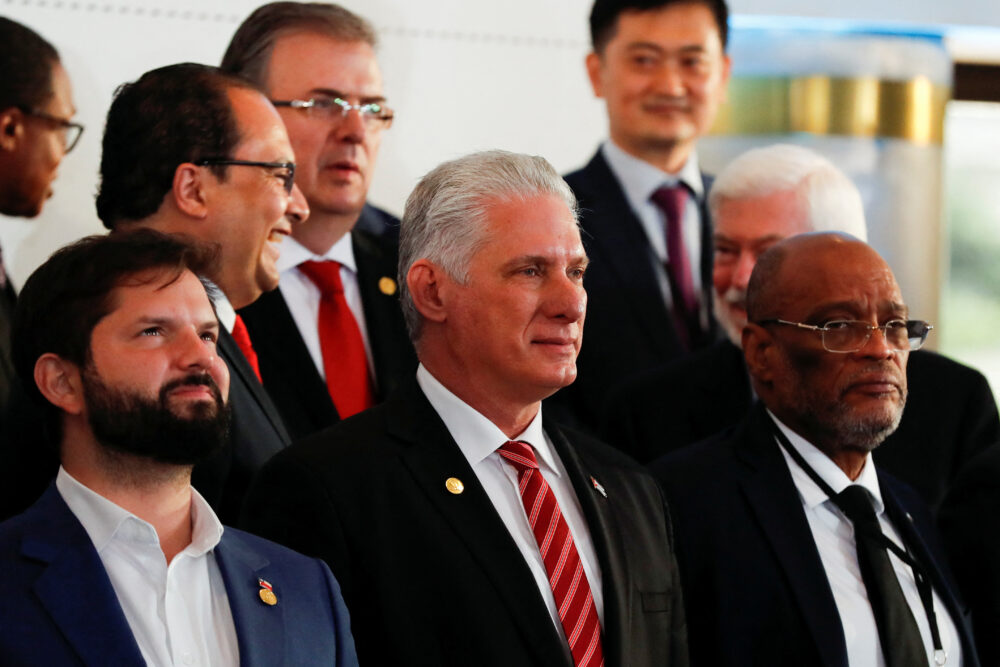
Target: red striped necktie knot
520, 455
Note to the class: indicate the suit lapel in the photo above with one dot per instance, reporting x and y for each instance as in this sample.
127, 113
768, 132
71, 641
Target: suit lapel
432, 457
260, 628
239, 366
74, 587
776, 504
607, 540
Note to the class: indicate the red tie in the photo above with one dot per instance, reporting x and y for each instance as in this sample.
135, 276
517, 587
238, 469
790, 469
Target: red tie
671, 200
242, 338
570, 587
344, 358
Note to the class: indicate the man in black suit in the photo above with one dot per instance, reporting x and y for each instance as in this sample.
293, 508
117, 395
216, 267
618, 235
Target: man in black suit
191, 150
662, 69
36, 105
782, 524
761, 197
326, 352
419, 503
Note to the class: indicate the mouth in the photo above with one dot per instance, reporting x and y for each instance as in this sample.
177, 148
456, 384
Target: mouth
193, 389
557, 343
343, 168
876, 385
666, 107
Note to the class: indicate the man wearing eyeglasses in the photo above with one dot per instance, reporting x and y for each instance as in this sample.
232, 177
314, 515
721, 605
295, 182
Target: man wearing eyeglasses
36, 105
331, 340
193, 151
794, 547
761, 197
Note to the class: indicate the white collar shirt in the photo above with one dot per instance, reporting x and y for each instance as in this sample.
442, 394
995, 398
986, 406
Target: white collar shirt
479, 438
179, 613
303, 296
223, 309
639, 180
834, 536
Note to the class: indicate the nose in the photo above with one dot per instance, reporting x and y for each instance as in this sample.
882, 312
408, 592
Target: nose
351, 127
567, 299
298, 208
669, 80
743, 269
194, 352
877, 346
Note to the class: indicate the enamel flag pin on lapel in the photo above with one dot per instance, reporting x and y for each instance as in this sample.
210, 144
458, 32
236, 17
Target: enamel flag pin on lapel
266, 593
597, 485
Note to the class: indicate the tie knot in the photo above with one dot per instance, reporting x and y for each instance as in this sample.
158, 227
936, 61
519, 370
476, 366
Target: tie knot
670, 199
325, 275
856, 504
519, 454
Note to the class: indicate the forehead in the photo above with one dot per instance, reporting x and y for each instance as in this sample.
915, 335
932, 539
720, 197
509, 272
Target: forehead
309, 62
777, 215
61, 102
262, 134
149, 294
672, 27
537, 225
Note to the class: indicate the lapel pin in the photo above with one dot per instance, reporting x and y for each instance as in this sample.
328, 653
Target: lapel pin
454, 485
387, 285
266, 593
597, 485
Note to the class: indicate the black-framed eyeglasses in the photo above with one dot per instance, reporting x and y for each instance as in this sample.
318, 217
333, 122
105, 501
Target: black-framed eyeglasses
376, 116
845, 336
71, 132
287, 178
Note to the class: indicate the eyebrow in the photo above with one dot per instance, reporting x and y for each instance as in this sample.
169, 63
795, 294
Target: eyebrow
330, 92
653, 46
576, 260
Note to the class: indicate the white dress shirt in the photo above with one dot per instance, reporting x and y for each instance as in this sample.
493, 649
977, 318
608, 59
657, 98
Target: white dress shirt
834, 535
223, 309
639, 180
179, 613
479, 438
303, 297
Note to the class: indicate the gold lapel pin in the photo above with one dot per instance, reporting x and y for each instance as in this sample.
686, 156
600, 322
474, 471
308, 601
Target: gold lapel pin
387, 285
266, 593
454, 485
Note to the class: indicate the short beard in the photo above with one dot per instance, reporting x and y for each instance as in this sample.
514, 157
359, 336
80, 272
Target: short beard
132, 428
720, 304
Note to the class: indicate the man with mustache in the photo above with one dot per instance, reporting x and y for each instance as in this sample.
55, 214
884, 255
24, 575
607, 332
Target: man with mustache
782, 524
761, 197
121, 562
331, 339
661, 68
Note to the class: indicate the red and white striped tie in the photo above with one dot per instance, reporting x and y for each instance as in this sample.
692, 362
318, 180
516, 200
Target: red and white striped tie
570, 587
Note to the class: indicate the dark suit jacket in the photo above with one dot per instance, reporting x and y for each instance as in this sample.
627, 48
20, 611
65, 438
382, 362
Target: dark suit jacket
971, 532
433, 578
7, 374
378, 222
256, 434
950, 414
287, 368
629, 328
59, 607
754, 584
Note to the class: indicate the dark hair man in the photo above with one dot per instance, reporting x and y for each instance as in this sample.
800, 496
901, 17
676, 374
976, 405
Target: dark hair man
190, 150
761, 197
662, 69
420, 503
36, 132
121, 562
794, 547
331, 340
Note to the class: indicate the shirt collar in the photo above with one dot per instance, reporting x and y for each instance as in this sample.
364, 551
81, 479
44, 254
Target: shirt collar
223, 309
294, 253
828, 471
640, 180
104, 520
476, 435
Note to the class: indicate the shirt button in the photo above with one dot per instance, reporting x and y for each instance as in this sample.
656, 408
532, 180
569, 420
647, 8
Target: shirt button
187, 658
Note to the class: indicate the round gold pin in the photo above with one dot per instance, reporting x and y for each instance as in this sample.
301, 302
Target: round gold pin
454, 485
268, 597
387, 285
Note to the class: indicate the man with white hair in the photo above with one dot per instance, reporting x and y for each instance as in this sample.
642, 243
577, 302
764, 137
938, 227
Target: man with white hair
763, 196
464, 527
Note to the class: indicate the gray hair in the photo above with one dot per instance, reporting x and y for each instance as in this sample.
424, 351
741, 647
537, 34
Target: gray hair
446, 216
831, 201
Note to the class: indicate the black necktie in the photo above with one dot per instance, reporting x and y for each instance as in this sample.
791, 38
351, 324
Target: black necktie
902, 645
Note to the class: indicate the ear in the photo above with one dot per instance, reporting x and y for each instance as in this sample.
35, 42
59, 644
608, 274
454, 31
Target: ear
727, 65
11, 128
60, 384
189, 190
593, 63
428, 285
759, 351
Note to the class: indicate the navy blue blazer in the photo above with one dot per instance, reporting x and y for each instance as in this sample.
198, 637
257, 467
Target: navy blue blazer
59, 607
629, 328
754, 585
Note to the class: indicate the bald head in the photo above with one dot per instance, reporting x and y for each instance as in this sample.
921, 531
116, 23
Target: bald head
845, 403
